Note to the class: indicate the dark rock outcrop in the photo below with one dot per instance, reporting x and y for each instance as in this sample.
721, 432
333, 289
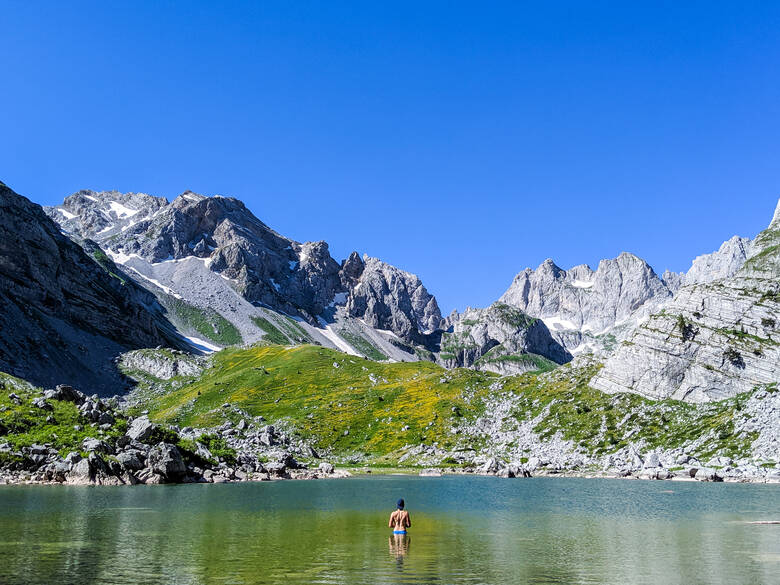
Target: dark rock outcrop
66, 315
165, 460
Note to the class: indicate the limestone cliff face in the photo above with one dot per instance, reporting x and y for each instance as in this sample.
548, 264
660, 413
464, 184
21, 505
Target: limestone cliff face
581, 301
673, 280
723, 263
264, 267
67, 311
389, 298
717, 337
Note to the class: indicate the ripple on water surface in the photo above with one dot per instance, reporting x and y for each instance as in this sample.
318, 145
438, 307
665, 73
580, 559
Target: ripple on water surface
466, 530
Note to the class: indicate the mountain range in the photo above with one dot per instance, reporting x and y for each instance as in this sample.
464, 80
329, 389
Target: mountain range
244, 344
202, 273
213, 254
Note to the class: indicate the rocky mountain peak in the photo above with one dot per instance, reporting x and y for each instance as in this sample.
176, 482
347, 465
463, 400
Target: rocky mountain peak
581, 299
550, 267
581, 273
626, 262
723, 263
351, 270
775, 223
390, 298
188, 197
89, 214
673, 280
630, 280
763, 262
264, 267
316, 254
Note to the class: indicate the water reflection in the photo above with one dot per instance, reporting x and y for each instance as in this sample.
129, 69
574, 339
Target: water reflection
467, 531
399, 547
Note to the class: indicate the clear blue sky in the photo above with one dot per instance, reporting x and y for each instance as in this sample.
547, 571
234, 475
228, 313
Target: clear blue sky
462, 142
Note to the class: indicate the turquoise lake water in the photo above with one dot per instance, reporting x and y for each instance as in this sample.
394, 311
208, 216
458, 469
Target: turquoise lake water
465, 529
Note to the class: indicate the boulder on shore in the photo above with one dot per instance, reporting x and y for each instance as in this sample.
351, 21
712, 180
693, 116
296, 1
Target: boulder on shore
166, 460
141, 429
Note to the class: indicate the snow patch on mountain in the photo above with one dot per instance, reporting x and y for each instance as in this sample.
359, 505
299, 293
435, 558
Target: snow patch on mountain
554, 323
330, 333
202, 344
121, 210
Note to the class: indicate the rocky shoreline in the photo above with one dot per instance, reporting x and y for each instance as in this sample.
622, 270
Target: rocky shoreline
700, 474
121, 450
325, 472
147, 453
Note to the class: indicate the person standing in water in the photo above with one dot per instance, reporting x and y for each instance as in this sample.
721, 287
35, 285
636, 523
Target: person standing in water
399, 519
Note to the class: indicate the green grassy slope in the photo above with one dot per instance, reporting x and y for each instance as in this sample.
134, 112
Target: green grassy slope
344, 402
63, 427
272, 334
603, 423
362, 345
348, 405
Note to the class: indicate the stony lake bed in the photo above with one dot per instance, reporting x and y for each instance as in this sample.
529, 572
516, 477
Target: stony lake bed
465, 529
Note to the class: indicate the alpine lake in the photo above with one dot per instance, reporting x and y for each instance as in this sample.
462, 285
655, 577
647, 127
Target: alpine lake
465, 530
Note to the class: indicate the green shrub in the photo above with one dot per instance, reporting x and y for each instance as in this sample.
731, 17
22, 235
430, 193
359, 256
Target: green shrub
162, 434
272, 334
218, 447
734, 357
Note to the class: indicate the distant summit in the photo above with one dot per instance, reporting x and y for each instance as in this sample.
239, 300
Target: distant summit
213, 255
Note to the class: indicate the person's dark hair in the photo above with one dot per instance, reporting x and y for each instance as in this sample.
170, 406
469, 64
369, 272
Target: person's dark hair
400, 504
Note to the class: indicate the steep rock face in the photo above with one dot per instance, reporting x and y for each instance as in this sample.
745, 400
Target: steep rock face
65, 314
583, 300
263, 267
501, 339
673, 280
389, 298
715, 339
723, 263
763, 263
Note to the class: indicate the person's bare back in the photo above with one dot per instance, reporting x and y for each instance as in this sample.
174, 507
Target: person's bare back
400, 519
